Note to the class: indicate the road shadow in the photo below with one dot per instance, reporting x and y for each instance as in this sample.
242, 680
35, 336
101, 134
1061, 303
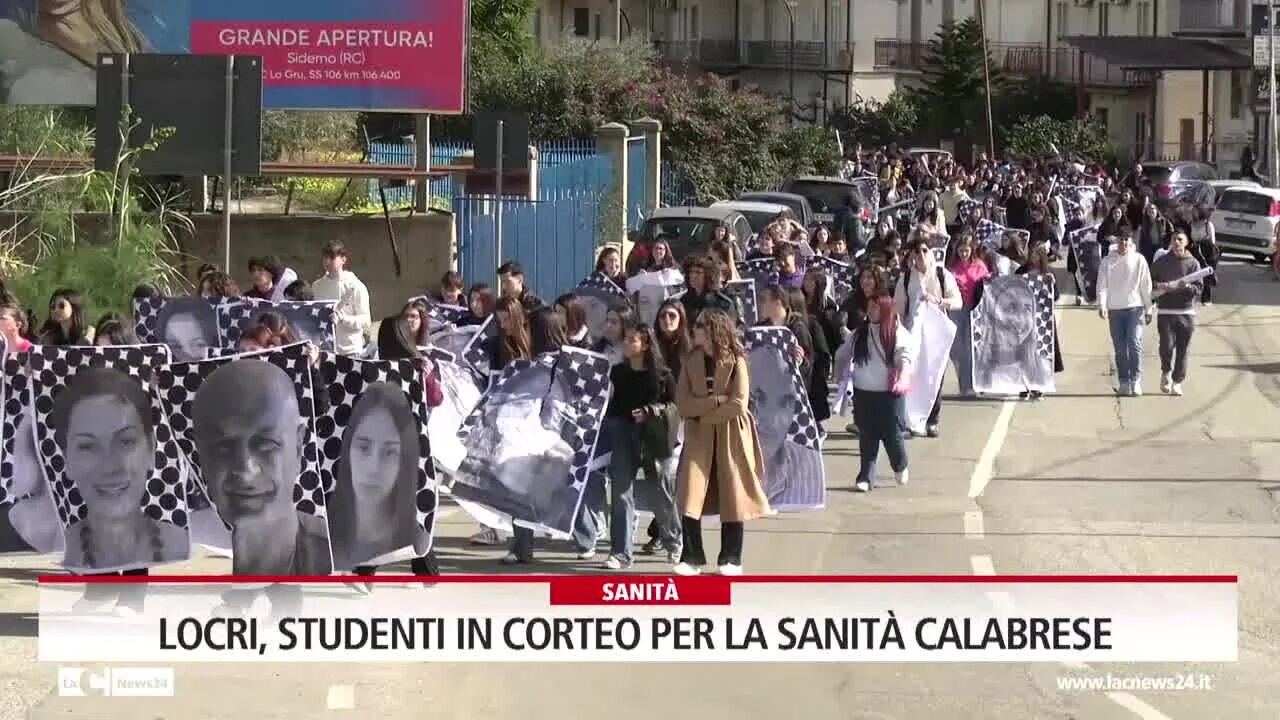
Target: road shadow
1272, 368
18, 624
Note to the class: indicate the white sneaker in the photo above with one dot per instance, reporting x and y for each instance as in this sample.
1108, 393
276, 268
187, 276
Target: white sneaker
1176, 389
686, 569
616, 563
586, 554
862, 486
487, 536
902, 477
1136, 389
1165, 382
730, 570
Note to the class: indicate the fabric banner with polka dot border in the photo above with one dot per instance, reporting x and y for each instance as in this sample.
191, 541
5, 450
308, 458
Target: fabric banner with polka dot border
240, 394
841, 278
153, 315
376, 411
310, 320
1012, 336
475, 353
743, 293
599, 295
530, 441
96, 452
26, 504
794, 475
440, 315
461, 392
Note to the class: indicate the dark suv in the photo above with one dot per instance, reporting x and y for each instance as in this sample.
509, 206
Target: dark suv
1183, 181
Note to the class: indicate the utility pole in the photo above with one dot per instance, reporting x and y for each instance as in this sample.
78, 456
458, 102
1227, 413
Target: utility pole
1271, 93
986, 78
790, 5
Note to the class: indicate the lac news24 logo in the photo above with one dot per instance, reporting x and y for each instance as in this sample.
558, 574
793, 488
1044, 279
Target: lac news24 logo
120, 682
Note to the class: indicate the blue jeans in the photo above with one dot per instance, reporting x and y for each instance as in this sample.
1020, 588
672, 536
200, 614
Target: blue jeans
962, 350
586, 526
876, 415
1126, 340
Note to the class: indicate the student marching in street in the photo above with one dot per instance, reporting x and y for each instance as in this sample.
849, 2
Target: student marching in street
350, 298
970, 272
1175, 311
720, 465
641, 421
883, 354
672, 336
1124, 301
926, 281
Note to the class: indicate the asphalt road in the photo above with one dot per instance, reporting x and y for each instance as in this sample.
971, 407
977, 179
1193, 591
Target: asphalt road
1078, 483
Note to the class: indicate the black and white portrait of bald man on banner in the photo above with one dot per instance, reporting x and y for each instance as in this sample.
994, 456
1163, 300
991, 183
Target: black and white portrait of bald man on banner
28, 518
113, 467
257, 463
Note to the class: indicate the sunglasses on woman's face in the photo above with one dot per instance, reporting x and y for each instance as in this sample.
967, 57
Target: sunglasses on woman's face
60, 305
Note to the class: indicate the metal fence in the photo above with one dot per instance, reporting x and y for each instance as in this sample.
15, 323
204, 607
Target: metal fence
550, 154
676, 189
553, 239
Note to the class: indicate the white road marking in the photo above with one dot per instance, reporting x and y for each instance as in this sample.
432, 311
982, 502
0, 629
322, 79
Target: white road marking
1136, 706
982, 565
341, 697
1004, 604
985, 467
973, 525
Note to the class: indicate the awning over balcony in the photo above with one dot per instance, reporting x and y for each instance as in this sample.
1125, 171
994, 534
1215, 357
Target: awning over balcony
1154, 54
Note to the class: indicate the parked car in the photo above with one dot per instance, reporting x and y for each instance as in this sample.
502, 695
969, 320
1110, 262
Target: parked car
826, 195
1183, 181
1220, 186
1245, 221
758, 214
688, 230
799, 205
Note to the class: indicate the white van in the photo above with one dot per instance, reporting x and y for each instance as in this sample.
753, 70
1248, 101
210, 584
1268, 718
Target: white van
1245, 221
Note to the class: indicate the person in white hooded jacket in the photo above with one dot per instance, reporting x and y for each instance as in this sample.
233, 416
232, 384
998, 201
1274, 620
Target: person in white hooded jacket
883, 352
1124, 300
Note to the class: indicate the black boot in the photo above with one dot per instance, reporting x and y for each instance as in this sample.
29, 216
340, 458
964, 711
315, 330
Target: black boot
692, 552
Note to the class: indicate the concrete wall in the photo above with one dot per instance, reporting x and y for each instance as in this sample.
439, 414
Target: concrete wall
426, 244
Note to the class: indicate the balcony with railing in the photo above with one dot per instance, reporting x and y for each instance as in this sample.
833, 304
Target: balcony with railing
1024, 60
807, 55
1213, 18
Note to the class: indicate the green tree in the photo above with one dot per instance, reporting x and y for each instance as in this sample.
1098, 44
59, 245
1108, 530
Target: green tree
1028, 98
1043, 135
952, 96
874, 122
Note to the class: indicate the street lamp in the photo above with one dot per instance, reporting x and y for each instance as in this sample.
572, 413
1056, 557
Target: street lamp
790, 5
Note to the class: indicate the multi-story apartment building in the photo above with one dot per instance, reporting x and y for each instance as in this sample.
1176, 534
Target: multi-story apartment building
1171, 77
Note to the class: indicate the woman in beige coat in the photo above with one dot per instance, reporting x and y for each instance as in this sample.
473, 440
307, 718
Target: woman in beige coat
721, 465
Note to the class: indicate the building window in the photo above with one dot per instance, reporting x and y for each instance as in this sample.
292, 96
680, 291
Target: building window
1063, 19
537, 25
582, 22
1102, 116
1104, 21
1144, 19
599, 23
694, 30
1237, 92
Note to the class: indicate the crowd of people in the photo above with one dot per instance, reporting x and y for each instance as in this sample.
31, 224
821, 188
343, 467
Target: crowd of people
679, 418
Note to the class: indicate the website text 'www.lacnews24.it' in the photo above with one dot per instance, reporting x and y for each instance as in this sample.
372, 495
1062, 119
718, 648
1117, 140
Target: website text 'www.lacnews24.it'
1114, 683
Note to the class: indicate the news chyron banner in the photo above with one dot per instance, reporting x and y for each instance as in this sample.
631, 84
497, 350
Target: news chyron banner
656, 619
